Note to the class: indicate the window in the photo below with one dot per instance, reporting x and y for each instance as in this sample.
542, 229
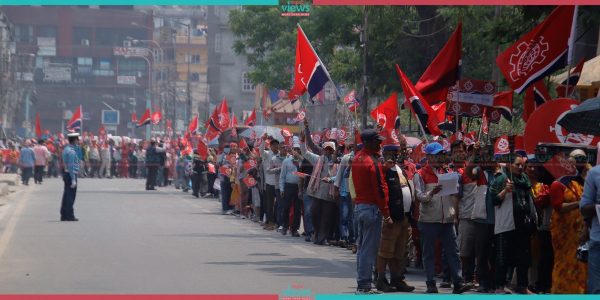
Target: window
46, 31
218, 42
84, 65
195, 59
132, 67
195, 77
82, 36
24, 33
247, 85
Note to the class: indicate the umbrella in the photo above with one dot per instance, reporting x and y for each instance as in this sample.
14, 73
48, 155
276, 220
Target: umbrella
584, 118
226, 137
259, 130
412, 141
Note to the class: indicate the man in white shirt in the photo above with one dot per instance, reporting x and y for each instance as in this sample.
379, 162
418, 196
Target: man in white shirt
41, 159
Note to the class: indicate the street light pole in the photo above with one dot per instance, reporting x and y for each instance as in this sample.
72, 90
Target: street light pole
188, 105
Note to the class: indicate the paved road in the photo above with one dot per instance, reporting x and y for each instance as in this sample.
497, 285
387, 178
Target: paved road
129, 240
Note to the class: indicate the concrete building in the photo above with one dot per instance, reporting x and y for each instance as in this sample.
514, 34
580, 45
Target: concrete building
8, 104
227, 71
83, 56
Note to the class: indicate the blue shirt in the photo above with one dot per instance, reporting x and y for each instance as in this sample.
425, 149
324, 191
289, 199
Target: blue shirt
591, 195
287, 173
71, 161
27, 157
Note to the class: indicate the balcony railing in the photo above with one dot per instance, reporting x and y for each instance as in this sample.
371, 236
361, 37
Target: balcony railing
194, 40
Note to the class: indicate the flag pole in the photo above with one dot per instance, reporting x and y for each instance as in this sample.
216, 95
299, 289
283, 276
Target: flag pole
571, 48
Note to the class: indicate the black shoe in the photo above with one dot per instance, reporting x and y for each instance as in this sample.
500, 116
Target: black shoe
483, 290
308, 238
383, 285
295, 233
195, 195
69, 219
445, 285
284, 232
460, 288
431, 288
401, 286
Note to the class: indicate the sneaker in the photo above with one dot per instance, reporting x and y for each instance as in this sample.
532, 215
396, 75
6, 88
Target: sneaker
367, 292
280, 229
283, 231
460, 288
445, 285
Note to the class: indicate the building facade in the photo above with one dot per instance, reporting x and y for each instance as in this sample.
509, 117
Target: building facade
83, 56
227, 71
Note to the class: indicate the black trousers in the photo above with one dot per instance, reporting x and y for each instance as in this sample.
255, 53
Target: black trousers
290, 199
484, 256
26, 173
151, 179
513, 249
546, 263
323, 216
68, 198
195, 184
270, 202
38, 174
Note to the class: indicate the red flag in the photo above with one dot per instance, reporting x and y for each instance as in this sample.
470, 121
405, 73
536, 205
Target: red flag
418, 106
470, 138
309, 72
38, 126
202, 149
243, 144
540, 52
133, 117
301, 115
234, 124
301, 175
156, 117
535, 95
503, 104
520, 145
145, 119
502, 146
251, 119
386, 114
193, 126
223, 116
443, 72
218, 121
249, 181
76, 121
560, 166
440, 111
249, 164
351, 102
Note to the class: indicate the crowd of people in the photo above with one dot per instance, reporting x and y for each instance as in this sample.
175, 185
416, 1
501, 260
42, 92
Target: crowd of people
509, 227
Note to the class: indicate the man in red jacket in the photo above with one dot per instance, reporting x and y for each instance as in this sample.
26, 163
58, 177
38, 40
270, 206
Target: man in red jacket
370, 204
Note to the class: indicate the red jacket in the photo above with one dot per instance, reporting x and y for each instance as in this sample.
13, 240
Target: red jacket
368, 189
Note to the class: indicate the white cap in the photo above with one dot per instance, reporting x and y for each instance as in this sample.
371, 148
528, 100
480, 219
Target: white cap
577, 152
329, 144
73, 134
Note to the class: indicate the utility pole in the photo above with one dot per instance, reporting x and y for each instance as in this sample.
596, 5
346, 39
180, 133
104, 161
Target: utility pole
364, 42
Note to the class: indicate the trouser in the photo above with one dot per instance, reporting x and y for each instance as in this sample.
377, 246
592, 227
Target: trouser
594, 267
211, 181
38, 175
225, 194
105, 168
151, 179
271, 194
323, 213
195, 184
26, 174
345, 217
307, 218
165, 176
445, 232
68, 198
133, 170
290, 199
159, 176
95, 168
203, 183
113, 168
484, 257
546, 261
392, 247
368, 218
513, 249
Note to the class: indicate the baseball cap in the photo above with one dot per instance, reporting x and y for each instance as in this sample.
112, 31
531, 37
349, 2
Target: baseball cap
577, 152
434, 148
370, 135
329, 144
